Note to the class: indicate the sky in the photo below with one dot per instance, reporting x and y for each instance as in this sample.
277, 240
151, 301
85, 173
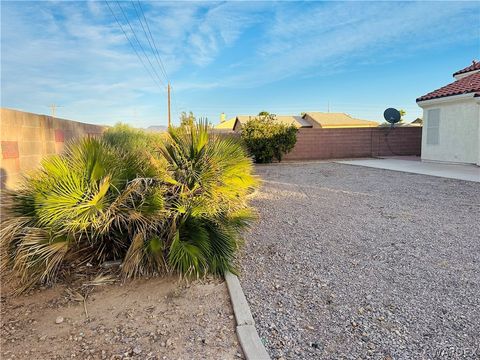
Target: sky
233, 57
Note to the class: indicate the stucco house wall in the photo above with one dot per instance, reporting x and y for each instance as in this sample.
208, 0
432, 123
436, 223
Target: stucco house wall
458, 130
451, 128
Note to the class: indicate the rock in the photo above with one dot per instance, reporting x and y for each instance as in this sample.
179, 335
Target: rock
59, 320
137, 350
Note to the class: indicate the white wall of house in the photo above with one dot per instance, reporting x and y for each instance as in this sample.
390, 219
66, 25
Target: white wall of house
451, 130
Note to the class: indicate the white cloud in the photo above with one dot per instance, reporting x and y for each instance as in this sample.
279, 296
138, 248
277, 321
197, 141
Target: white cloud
74, 53
329, 37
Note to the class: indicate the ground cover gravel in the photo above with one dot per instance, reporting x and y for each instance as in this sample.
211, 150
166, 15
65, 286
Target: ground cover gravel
348, 262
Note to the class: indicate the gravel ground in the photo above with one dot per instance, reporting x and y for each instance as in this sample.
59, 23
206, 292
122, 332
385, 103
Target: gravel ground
349, 262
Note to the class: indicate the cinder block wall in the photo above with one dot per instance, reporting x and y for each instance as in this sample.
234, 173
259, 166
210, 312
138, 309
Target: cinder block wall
26, 138
318, 144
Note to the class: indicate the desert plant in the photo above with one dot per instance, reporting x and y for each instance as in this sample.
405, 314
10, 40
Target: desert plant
82, 206
213, 176
175, 203
267, 139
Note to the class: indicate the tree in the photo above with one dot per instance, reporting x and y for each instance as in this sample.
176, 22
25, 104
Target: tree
402, 114
267, 139
187, 119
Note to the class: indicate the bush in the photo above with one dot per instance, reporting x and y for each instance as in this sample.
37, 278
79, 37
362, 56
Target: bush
266, 139
174, 203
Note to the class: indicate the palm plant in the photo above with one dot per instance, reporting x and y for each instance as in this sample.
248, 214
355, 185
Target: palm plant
82, 205
176, 203
213, 176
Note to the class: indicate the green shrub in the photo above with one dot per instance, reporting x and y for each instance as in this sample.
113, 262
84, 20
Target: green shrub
174, 203
267, 139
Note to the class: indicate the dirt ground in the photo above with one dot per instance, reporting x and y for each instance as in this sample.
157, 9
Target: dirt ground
144, 319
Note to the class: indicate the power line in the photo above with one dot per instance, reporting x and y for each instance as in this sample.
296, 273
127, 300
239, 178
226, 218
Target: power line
157, 56
146, 35
156, 52
133, 47
138, 42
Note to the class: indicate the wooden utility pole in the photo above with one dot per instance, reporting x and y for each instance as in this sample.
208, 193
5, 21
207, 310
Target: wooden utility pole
169, 116
53, 109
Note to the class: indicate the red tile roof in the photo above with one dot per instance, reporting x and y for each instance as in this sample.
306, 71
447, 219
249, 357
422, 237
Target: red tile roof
475, 66
468, 84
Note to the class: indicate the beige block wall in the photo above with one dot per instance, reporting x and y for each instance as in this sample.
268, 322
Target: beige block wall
318, 144
26, 138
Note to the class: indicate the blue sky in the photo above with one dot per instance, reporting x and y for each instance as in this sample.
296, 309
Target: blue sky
235, 57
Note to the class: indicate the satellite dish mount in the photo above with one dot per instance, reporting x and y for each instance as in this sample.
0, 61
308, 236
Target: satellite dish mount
392, 116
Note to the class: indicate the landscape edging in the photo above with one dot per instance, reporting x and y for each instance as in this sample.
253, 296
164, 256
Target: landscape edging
252, 346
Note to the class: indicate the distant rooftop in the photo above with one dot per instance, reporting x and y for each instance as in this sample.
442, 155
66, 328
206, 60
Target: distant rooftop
226, 125
297, 121
308, 120
285, 119
337, 120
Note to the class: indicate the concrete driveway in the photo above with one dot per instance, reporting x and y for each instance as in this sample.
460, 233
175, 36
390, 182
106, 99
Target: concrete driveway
415, 166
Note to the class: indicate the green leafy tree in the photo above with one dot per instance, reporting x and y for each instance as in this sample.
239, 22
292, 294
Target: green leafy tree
187, 119
267, 139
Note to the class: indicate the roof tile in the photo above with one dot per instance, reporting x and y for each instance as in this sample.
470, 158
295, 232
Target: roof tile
466, 85
475, 66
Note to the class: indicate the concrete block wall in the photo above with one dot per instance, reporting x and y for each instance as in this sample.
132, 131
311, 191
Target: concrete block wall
318, 144
397, 141
26, 138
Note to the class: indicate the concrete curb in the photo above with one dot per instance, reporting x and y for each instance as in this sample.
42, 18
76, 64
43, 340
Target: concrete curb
250, 342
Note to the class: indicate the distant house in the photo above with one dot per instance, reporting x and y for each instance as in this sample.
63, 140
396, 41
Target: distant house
236, 122
226, 125
336, 120
451, 129
307, 120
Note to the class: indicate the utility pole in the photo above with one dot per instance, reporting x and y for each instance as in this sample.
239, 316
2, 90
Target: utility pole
53, 109
169, 116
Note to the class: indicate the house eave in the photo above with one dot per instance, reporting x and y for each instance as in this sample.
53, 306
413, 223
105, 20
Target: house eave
459, 76
446, 99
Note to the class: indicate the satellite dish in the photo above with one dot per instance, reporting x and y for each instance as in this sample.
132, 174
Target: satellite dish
392, 115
